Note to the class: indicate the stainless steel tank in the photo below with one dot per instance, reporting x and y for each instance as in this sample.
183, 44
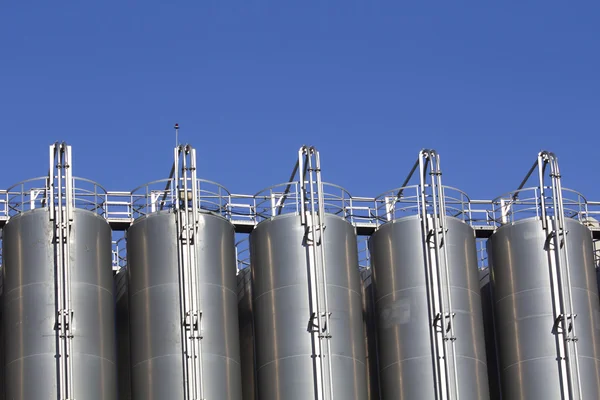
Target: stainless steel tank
280, 287
487, 308
246, 333
370, 324
525, 326
155, 307
406, 360
30, 310
123, 347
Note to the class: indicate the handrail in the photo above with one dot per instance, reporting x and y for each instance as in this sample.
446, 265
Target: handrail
155, 196
35, 192
529, 202
286, 198
396, 203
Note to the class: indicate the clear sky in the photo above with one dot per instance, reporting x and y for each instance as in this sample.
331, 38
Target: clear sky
369, 83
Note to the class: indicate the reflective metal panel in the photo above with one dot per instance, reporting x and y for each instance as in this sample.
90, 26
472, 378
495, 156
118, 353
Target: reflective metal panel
281, 310
155, 316
522, 281
30, 307
405, 348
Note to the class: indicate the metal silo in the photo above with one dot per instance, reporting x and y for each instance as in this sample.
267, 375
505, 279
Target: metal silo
58, 318
545, 293
424, 260
306, 289
182, 289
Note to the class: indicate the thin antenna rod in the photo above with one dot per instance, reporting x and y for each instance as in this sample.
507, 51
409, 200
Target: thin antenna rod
176, 134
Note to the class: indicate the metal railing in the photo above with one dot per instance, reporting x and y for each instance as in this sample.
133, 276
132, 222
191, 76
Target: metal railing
529, 202
408, 200
286, 198
163, 195
119, 254
34, 193
242, 251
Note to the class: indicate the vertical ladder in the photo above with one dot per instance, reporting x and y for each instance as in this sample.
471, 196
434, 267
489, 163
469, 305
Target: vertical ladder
312, 214
434, 229
186, 208
561, 289
60, 204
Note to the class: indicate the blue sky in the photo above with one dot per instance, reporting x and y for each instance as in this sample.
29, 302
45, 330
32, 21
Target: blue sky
369, 83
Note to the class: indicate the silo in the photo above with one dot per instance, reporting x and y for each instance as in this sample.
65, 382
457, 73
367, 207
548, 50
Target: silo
246, 333
281, 287
58, 314
30, 307
528, 288
122, 322
182, 290
487, 308
425, 279
406, 359
370, 329
306, 290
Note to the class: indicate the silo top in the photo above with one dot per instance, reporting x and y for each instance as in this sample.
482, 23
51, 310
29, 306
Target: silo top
414, 200
291, 198
39, 193
165, 195
532, 204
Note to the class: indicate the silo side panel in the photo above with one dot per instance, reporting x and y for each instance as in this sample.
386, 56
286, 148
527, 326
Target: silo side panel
246, 333
405, 355
155, 315
523, 310
281, 310
29, 308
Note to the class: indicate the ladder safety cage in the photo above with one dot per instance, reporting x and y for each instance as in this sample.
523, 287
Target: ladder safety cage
61, 213
432, 202
186, 210
312, 217
553, 205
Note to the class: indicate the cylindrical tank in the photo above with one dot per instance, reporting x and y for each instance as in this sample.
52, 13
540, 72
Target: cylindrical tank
370, 321
246, 333
280, 284
123, 347
30, 334
487, 308
155, 307
406, 361
522, 280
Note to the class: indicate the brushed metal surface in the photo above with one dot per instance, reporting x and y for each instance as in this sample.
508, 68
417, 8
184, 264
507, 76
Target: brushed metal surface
399, 279
370, 329
154, 305
123, 347
524, 319
30, 308
246, 333
281, 310
487, 308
